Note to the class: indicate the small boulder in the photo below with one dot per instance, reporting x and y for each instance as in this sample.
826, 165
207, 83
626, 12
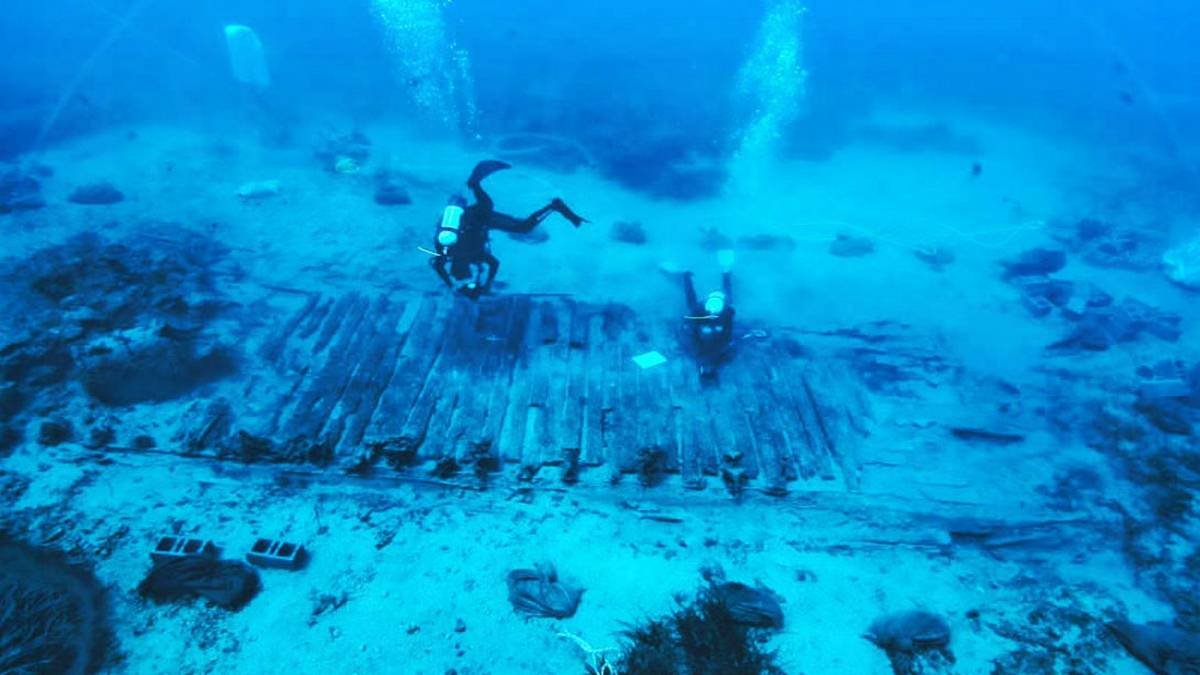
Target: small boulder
629, 232
909, 631
10, 438
538, 592
100, 436
749, 606
1182, 264
96, 194
19, 192
1057, 292
712, 239
766, 242
851, 246
55, 432
392, 194
937, 258
1035, 262
12, 402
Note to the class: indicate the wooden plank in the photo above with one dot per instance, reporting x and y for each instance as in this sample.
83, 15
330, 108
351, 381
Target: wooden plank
620, 425
379, 331
698, 400
429, 421
417, 356
324, 386
809, 446
314, 319
832, 414
538, 446
777, 418
430, 381
767, 437
272, 348
326, 420
525, 372
691, 416
462, 385
725, 419
471, 411
594, 372
503, 378
412, 320
336, 320
565, 403
732, 437
581, 326
512, 434
659, 394
374, 372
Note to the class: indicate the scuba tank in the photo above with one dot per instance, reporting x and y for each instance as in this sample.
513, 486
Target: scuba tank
448, 228
714, 304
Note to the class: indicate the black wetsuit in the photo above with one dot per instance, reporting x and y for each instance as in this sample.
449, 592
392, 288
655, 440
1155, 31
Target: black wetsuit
710, 336
473, 249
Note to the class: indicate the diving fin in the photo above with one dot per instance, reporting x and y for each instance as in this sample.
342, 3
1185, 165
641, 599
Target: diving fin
486, 168
561, 206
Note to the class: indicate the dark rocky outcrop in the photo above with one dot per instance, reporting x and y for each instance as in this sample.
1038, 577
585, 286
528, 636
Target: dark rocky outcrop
628, 232
55, 432
389, 193
53, 618
96, 194
19, 191
1034, 262
157, 370
1162, 647
1104, 244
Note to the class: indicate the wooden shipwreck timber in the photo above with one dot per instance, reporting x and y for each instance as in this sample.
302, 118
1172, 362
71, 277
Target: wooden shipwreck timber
520, 383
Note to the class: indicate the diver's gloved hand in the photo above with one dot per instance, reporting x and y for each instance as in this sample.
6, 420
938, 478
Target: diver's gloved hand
561, 206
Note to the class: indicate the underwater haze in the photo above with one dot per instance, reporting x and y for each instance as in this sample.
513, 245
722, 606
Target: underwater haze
462, 336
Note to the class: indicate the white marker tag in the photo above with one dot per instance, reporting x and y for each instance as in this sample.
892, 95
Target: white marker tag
649, 360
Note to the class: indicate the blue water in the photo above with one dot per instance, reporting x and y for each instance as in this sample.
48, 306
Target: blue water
1101, 70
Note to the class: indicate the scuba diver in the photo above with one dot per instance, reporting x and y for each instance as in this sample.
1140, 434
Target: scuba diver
709, 324
462, 255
